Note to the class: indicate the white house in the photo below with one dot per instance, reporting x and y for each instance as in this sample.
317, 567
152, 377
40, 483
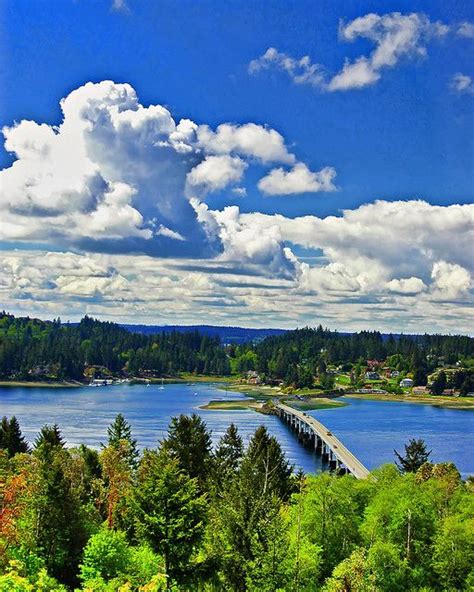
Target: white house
406, 382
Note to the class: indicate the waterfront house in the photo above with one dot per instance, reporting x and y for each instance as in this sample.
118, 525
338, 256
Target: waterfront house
406, 383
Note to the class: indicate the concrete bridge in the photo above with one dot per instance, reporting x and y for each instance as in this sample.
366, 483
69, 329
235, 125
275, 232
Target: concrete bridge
312, 431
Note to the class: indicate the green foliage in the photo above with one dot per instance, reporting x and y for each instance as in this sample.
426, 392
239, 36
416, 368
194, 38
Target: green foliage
251, 525
106, 556
120, 430
189, 442
170, 513
415, 456
11, 438
42, 350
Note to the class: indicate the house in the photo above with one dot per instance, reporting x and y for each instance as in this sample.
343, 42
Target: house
253, 377
394, 374
420, 390
372, 376
406, 382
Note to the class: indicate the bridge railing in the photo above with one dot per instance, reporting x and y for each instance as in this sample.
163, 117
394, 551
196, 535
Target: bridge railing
325, 442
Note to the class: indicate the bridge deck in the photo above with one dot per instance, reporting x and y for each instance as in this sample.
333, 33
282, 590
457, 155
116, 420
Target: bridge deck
345, 456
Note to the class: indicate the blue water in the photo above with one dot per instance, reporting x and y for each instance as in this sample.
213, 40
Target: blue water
370, 429
373, 429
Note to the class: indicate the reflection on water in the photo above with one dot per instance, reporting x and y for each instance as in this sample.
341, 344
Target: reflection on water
370, 429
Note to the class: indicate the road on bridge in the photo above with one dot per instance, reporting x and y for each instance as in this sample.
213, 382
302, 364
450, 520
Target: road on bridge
345, 456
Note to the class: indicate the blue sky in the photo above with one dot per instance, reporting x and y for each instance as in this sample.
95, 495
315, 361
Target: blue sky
407, 136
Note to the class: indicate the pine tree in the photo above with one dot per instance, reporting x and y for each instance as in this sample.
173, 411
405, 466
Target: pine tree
228, 453
50, 437
266, 465
415, 456
189, 442
170, 512
11, 438
119, 430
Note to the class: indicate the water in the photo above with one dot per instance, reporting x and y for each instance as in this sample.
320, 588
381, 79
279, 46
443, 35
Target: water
373, 429
370, 429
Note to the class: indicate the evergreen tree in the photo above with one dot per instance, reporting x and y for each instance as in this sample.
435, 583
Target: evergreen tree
49, 436
170, 512
415, 456
11, 438
266, 465
439, 383
120, 430
228, 454
189, 442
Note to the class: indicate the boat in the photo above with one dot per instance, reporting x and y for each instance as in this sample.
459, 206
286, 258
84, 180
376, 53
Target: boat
162, 385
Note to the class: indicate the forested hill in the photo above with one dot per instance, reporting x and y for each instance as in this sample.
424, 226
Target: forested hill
295, 356
227, 335
35, 349
31, 348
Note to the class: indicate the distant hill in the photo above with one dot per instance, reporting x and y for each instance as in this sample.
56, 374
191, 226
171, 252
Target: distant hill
226, 334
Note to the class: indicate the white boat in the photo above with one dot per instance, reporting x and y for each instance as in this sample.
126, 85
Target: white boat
162, 386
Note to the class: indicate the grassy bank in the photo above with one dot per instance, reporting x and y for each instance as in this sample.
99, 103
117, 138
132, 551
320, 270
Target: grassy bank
232, 405
436, 401
314, 403
38, 384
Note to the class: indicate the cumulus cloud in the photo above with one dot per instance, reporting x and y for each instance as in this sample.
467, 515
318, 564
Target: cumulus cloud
301, 71
125, 184
250, 140
466, 29
216, 172
462, 83
412, 285
116, 176
395, 36
297, 180
450, 280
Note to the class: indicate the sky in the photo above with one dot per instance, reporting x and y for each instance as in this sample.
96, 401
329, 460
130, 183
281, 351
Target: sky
264, 164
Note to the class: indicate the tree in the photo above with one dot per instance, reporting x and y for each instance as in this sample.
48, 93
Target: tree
59, 520
439, 383
453, 556
120, 430
116, 469
415, 456
189, 442
11, 438
266, 467
228, 454
50, 437
106, 555
170, 512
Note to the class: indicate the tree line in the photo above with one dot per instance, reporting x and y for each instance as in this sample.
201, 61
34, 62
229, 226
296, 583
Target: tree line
34, 349
42, 349
184, 516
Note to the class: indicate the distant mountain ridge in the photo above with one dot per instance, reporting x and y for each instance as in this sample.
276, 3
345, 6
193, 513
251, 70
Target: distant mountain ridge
226, 334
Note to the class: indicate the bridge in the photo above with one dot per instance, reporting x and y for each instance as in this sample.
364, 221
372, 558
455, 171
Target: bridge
324, 442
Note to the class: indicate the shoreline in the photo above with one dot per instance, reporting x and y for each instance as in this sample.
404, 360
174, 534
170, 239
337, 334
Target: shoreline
317, 400
40, 384
460, 403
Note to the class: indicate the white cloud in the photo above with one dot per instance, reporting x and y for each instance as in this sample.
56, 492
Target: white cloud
301, 71
450, 280
216, 172
395, 36
239, 191
462, 84
120, 6
297, 180
466, 29
412, 285
249, 140
114, 170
